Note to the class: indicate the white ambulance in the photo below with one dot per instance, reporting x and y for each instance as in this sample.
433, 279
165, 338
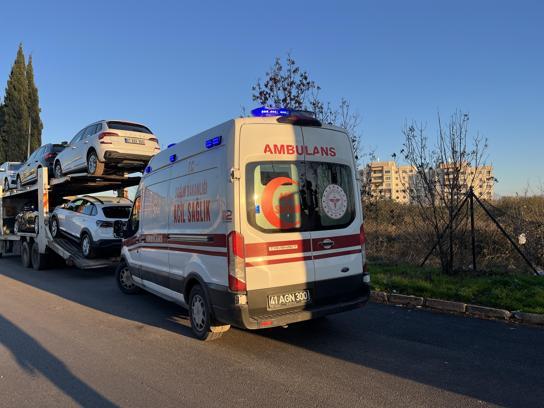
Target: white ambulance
254, 223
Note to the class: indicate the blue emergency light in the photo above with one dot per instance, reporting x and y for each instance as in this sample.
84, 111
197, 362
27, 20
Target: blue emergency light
173, 158
263, 112
216, 141
147, 170
170, 145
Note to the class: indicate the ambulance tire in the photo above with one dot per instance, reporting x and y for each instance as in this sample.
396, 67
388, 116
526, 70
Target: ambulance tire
25, 255
200, 315
124, 279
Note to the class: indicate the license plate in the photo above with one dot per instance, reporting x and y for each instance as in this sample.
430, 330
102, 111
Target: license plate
290, 299
134, 140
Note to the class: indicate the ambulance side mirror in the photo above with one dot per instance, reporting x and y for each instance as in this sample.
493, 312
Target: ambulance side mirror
120, 228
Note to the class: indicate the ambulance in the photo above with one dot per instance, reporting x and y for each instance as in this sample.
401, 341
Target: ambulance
254, 223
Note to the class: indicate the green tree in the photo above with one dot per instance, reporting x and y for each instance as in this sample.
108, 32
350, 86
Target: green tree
34, 110
16, 118
3, 144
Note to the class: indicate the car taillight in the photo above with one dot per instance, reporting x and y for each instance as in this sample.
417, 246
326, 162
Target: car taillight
236, 261
153, 139
106, 134
104, 224
50, 156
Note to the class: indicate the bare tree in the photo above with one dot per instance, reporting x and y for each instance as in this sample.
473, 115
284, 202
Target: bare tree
444, 172
287, 85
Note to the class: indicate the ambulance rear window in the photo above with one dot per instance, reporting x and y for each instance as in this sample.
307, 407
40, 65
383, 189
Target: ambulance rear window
299, 196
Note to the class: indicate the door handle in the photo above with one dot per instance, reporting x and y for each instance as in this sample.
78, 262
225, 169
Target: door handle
327, 243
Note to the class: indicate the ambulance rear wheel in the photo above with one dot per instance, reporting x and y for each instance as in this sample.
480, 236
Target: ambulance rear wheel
201, 316
25, 255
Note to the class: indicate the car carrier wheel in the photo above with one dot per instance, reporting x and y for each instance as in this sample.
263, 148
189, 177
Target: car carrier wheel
200, 314
25, 255
38, 260
124, 280
94, 166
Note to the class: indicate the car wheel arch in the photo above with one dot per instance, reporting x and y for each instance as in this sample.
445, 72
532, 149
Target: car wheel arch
87, 232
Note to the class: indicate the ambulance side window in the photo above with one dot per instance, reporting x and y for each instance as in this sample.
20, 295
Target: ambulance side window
134, 221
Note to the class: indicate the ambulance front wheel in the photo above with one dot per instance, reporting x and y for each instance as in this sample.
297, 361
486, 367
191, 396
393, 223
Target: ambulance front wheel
201, 316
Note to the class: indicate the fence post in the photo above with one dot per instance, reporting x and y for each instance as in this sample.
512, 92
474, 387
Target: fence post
472, 232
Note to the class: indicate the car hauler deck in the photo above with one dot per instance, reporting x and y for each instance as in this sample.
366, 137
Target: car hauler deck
45, 195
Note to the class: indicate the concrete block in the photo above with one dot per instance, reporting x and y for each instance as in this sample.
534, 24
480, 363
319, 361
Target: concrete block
378, 297
447, 305
405, 300
488, 312
530, 318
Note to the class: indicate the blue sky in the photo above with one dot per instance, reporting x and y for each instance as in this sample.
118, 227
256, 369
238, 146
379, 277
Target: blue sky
182, 67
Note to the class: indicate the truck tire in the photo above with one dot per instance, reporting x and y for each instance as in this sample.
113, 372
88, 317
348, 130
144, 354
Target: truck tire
200, 315
94, 166
25, 255
124, 279
38, 260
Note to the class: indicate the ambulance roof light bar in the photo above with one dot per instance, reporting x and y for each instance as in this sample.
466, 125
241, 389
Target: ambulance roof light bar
293, 117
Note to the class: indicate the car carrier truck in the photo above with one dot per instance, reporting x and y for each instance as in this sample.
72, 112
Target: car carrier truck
35, 247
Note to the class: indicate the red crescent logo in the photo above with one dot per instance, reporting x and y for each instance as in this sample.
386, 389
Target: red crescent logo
268, 200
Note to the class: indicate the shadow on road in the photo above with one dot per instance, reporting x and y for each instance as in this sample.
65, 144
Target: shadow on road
490, 361
32, 356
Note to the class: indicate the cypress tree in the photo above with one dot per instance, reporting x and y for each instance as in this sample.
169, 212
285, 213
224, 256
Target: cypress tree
3, 156
34, 110
16, 118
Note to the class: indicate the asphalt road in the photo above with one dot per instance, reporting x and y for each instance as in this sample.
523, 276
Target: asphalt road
69, 337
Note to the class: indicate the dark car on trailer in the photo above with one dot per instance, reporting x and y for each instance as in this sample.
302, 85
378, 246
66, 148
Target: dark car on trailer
42, 157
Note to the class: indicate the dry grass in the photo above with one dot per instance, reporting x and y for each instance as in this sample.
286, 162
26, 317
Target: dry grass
397, 234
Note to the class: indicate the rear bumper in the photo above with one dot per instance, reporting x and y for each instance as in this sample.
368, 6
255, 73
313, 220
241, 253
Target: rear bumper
129, 159
107, 244
226, 311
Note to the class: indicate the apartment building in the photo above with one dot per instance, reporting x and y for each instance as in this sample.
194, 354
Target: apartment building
387, 180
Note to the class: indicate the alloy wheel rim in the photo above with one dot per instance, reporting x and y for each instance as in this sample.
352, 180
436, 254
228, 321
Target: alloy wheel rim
58, 171
198, 312
86, 245
6, 185
126, 279
92, 163
54, 228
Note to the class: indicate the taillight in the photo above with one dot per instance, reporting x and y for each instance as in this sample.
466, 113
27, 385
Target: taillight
236, 261
106, 134
153, 139
50, 156
104, 224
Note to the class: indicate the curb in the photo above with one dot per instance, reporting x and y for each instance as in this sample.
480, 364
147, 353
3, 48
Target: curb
448, 306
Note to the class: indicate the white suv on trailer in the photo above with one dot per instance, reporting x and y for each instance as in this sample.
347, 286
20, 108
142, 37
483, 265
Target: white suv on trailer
8, 174
108, 146
89, 221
